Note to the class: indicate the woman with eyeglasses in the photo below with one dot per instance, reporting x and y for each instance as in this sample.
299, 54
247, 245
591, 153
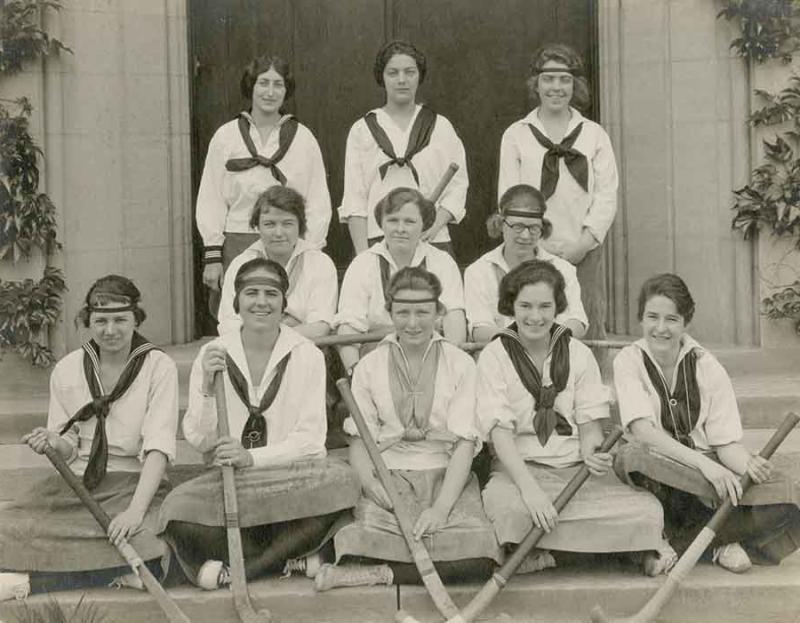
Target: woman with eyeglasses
523, 227
569, 158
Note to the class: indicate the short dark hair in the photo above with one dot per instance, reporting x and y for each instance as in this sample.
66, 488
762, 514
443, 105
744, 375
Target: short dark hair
527, 274
255, 264
672, 287
258, 66
414, 278
392, 48
564, 54
283, 198
111, 289
494, 224
400, 196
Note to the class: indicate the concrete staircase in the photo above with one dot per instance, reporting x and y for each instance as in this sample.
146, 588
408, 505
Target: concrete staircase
767, 385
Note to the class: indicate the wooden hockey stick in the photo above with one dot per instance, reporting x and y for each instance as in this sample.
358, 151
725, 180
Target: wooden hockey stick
126, 550
241, 598
422, 559
701, 542
500, 578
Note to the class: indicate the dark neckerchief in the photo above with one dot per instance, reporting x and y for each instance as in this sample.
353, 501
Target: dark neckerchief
101, 404
254, 433
285, 137
576, 162
420, 137
547, 419
386, 270
681, 409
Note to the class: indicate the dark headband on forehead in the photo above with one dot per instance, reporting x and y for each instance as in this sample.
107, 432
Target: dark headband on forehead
116, 302
431, 299
559, 70
524, 213
260, 280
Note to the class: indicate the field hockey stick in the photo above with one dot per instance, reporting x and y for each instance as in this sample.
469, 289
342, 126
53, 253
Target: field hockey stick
430, 577
241, 598
125, 549
701, 542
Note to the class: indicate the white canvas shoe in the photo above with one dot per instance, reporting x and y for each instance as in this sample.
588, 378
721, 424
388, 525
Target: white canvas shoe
213, 575
732, 557
14, 586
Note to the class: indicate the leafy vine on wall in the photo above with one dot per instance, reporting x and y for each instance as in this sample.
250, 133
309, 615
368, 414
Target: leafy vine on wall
27, 217
770, 30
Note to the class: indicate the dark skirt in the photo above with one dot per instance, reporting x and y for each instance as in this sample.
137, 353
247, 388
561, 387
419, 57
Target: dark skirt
766, 522
50, 529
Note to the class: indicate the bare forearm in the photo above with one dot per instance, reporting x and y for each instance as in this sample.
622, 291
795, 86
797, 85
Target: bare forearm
646, 433
360, 461
591, 436
509, 456
484, 333
734, 456
149, 480
456, 476
454, 325
358, 233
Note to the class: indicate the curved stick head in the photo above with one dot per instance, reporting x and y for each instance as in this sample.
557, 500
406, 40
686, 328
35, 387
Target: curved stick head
598, 615
249, 615
401, 616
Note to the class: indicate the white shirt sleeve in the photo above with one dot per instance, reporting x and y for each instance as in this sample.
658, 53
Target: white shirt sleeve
492, 405
604, 197
362, 393
454, 198
591, 396
211, 209
160, 425
57, 414
305, 382
510, 162
355, 294
572, 291
356, 189
480, 296
632, 397
723, 425
318, 199
200, 420
228, 319
452, 286
323, 294
462, 418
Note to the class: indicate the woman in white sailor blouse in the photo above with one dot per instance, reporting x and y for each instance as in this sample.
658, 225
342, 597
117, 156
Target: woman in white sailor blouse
289, 493
402, 143
570, 160
262, 147
113, 417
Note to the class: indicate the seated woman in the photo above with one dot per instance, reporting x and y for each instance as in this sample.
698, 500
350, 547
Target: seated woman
541, 401
289, 494
403, 214
113, 416
279, 215
522, 224
416, 392
677, 399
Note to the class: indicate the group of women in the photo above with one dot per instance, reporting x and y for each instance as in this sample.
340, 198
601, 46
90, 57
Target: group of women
535, 395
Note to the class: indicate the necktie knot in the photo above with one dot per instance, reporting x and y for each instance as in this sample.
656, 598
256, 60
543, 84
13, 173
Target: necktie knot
100, 406
413, 433
547, 397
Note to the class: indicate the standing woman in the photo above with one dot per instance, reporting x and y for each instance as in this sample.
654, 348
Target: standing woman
541, 401
262, 147
675, 397
404, 214
113, 417
289, 493
417, 395
402, 143
570, 160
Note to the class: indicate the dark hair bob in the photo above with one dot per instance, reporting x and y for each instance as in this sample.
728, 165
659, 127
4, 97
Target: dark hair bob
400, 196
564, 54
282, 198
392, 48
111, 289
258, 66
672, 287
527, 274
414, 278
258, 263
494, 224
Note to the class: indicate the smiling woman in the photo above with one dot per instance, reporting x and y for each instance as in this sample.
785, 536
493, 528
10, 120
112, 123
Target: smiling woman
113, 416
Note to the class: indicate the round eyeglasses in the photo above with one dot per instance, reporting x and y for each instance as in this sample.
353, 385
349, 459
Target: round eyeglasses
518, 228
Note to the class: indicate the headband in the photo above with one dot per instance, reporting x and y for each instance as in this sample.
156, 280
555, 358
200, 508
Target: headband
558, 70
105, 309
524, 213
260, 281
432, 299
114, 306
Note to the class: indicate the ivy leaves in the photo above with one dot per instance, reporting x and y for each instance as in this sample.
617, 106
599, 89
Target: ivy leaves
767, 26
21, 38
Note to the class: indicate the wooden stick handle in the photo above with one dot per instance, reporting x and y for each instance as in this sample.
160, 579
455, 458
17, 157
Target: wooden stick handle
352, 338
446, 177
125, 549
422, 559
500, 577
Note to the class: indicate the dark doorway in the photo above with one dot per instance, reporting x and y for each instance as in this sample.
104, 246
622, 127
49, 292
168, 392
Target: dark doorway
478, 54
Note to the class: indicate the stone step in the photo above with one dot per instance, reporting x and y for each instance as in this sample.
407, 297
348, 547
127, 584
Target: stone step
708, 595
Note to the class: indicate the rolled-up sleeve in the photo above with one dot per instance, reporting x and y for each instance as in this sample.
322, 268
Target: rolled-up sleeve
604, 195
354, 298
58, 415
356, 189
361, 392
592, 397
572, 290
462, 417
452, 287
323, 292
632, 396
491, 391
200, 421
160, 425
480, 295
454, 198
723, 425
